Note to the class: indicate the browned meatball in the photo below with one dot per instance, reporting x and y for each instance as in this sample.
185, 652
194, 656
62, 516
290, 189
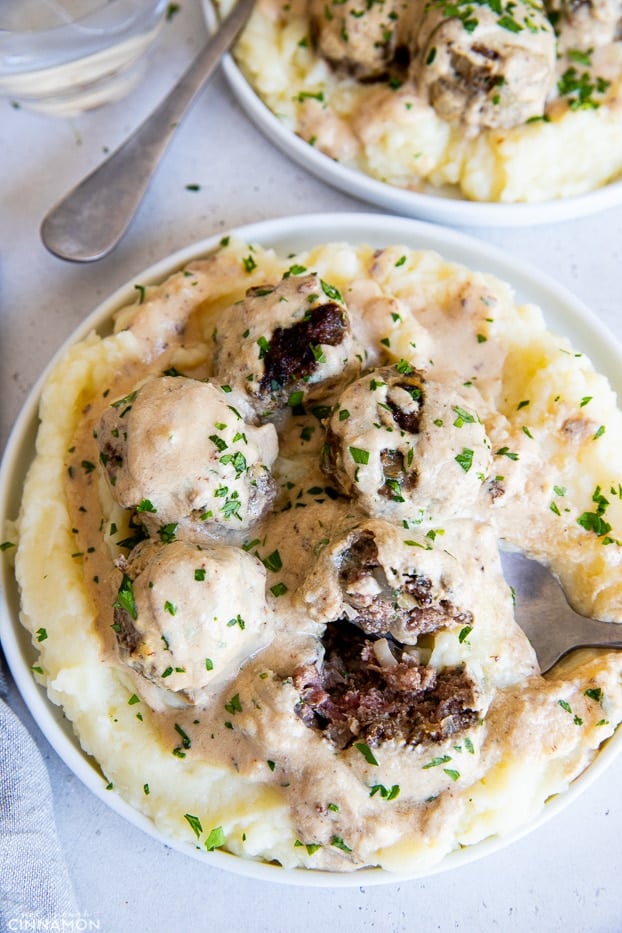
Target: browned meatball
285, 339
482, 67
360, 37
407, 447
179, 452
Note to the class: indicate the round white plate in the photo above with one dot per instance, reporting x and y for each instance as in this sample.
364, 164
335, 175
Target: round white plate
441, 206
563, 313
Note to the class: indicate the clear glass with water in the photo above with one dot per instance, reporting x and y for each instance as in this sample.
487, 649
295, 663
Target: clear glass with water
67, 56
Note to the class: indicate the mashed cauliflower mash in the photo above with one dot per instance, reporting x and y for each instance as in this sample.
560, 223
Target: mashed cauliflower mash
497, 102
265, 586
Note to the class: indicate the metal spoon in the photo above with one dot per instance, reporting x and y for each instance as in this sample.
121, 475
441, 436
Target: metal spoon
90, 220
551, 625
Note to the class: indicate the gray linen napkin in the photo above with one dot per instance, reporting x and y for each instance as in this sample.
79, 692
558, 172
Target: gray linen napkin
34, 884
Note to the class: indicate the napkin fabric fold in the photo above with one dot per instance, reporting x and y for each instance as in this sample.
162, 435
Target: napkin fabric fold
34, 882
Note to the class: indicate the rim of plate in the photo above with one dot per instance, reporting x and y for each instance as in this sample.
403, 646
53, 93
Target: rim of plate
563, 313
442, 207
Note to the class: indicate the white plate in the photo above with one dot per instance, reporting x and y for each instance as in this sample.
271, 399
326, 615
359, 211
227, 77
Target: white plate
440, 207
563, 313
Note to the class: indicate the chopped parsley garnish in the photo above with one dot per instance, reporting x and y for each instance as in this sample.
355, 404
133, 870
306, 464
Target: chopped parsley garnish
435, 762
359, 455
185, 738
215, 839
295, 270
387, 793
366, 752
167, 533
594, 521
506, 452
311, 847
565, 705
331, 292
125, 598
581, 88
594, 693
234, 705
41, 634
463, 417
465, 459
199, 574
273, 562
338, 842
146, 505
218, 442
450, 772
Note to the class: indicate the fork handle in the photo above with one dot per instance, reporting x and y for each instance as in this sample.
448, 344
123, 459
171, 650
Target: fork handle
89, 221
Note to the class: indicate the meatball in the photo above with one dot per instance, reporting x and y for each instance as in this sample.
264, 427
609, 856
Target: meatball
358, 37
407, 447
286, 339
179, 452
355, 692
188, 617
482, 67
586, 24
388, 582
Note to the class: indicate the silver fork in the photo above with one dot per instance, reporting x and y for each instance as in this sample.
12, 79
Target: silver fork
549, 622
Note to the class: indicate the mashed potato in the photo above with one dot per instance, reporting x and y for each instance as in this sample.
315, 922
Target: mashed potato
360, 694
398, 127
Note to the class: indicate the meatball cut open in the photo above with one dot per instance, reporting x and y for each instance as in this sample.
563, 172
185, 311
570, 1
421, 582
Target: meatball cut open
284, 341
390, 581
407, 447
187, 617
494, 68
179, 452
384, 595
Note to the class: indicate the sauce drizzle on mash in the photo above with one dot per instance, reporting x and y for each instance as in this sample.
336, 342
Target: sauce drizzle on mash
501, 102
260, 535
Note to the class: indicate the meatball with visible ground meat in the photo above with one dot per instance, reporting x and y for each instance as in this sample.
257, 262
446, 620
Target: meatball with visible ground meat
284, 341
374, 692
388, 581
179, 452
486, 67
585, 24
358, 37
407, 447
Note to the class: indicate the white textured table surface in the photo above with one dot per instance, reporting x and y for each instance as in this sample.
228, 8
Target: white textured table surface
566, 875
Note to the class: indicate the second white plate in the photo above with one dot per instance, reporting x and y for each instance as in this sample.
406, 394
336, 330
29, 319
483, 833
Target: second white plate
442, 206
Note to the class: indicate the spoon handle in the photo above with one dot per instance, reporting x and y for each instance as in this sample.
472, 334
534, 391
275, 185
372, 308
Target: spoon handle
89, 221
